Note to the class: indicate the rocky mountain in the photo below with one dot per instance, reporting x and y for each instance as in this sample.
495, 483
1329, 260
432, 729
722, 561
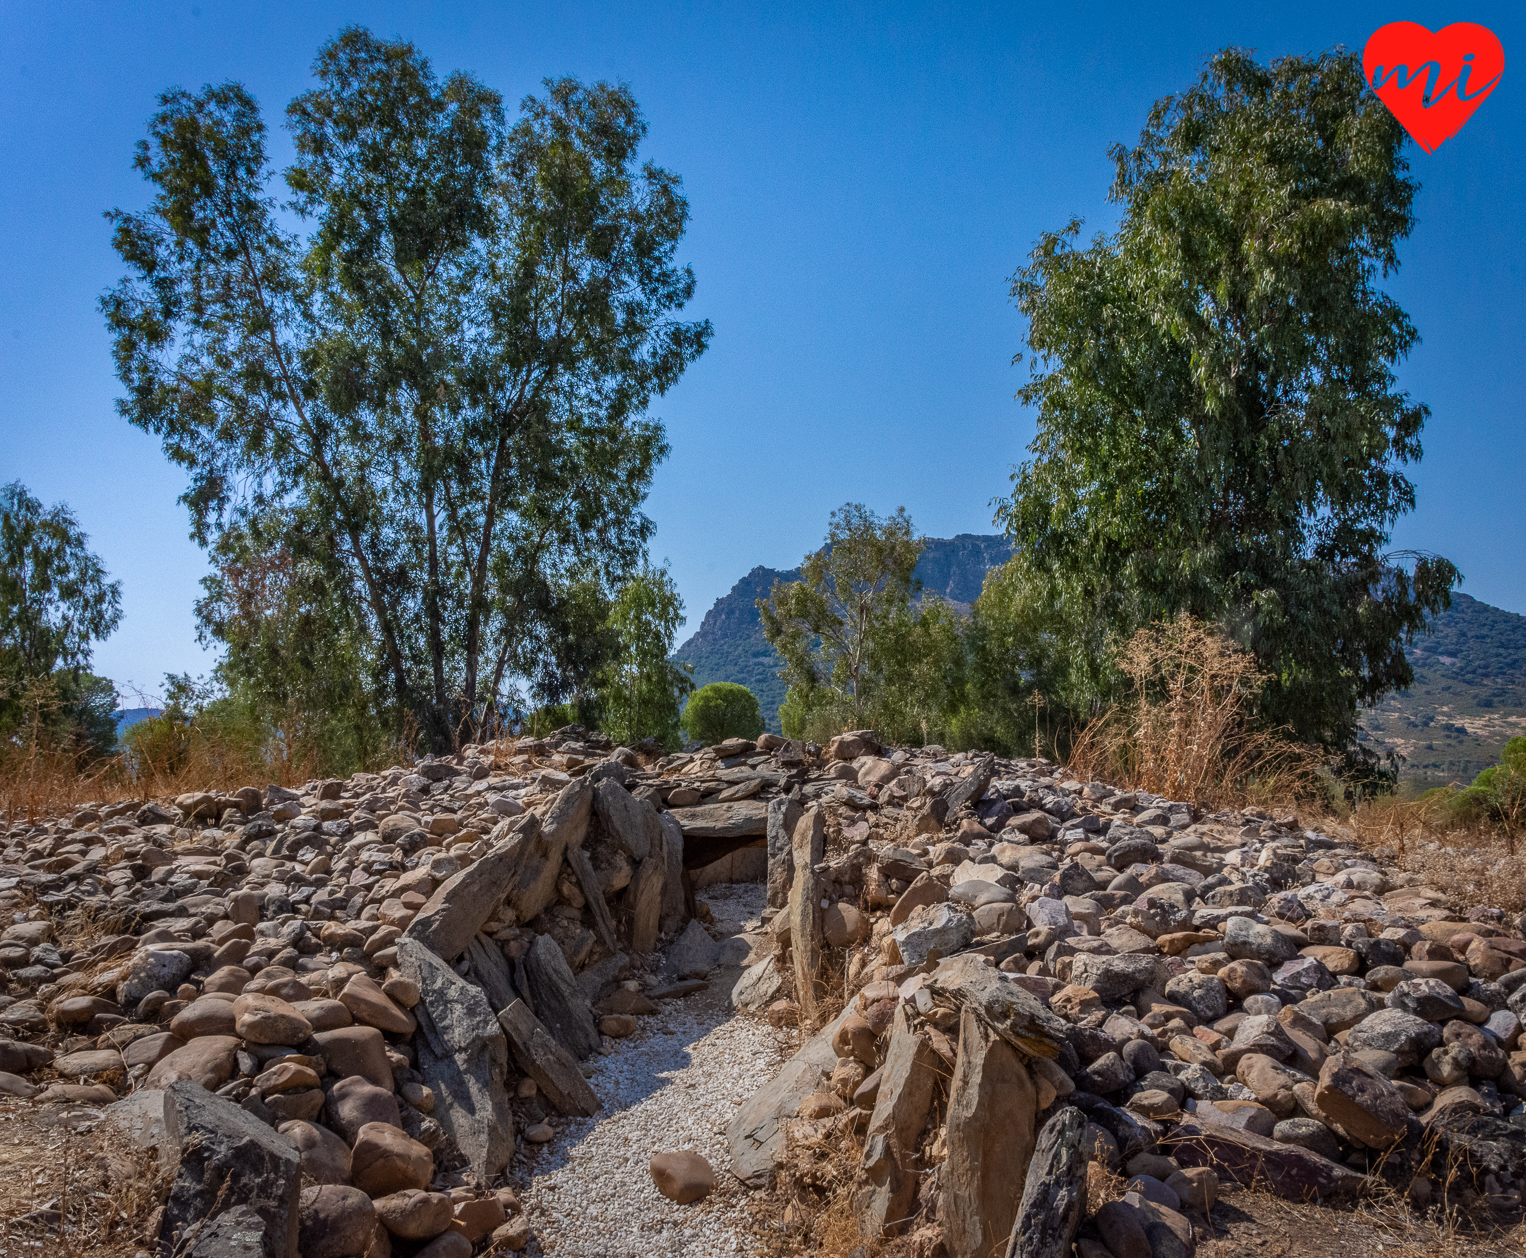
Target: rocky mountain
1468, 700
729, 644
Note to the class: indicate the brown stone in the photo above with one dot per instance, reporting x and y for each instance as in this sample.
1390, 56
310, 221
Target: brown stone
325, 1157
901, 1104
480, 1216
354, 1103
357, 1050
992, 1106
414, 1214
211, 1015
323, 1014
385, 1161
1365, 1104
335, 1221
682, 1176
208, 1061
266, 1019
370, 1006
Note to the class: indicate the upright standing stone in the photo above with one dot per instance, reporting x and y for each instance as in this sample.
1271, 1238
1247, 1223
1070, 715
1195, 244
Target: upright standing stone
992, 1105
552, 1067
644, 896
557, 1000
464, 1058
674, 907
1055, 1192
783, 813
566, 823
900, 1112
630, 822
808, 843
588, 880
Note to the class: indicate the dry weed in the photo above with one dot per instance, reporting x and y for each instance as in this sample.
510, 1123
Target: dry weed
1472, 863
1187, 730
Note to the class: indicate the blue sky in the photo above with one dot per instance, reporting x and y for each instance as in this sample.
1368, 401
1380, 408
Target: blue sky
863, 180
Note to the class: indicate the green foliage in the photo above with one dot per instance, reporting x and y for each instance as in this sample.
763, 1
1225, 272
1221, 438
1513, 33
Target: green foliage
831, 627
55, 602
1219, 427
642, 689
297, 661
434, 396
720, 711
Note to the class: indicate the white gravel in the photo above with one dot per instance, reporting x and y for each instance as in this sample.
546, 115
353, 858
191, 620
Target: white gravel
675, 1084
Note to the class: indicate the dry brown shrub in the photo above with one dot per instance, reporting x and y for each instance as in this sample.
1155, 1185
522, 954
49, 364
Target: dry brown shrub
1188, 729
1471, 862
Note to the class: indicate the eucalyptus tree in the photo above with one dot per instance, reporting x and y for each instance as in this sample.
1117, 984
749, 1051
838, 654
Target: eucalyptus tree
442, 348
1219, 426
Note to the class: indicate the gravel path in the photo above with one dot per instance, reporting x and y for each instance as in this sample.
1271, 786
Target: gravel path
675, 1084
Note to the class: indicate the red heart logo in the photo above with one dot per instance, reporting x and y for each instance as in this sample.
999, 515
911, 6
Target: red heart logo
1432, 83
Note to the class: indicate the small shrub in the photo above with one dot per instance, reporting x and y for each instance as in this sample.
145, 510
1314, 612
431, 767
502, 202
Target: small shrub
720, 711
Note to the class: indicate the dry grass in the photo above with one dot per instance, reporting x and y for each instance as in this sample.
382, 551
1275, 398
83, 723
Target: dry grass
86, 1195
1187, 730
1471, 862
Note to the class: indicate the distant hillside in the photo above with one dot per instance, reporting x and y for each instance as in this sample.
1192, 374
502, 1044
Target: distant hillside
128, 717
1468, 700
729, 644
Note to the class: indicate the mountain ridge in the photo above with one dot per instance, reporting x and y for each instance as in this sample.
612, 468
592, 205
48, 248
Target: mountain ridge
729, 644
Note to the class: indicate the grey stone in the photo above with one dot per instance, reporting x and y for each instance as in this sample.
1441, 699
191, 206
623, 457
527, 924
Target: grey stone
901, 1107
808, 843
593, 893
1427, 998
463, 1056
1002, 1003
990, 1132
756, 1136
760, 985
1113, 977
1204, 994
556, 1000
220, 1158
1054, 1191
152, 970
743, 818
783, 813
978, 892
674, 904
694, 954
1407, 1037
1247, 939
235, 1233
1306, 1133
941, 928
453, 915
630, 822
534, 886
553, 1068
139, 1118
644, 895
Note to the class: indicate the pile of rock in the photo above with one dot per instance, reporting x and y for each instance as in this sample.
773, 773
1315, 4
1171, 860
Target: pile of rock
1043, 971
381, 988
386, 988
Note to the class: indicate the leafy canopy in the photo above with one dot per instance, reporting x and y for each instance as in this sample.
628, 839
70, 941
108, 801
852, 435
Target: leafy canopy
642, 689
826, 625
1219, 428
720, 711
436, 390
55, 603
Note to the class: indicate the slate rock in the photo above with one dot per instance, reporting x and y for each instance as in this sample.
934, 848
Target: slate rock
220, 1158
557, 1000
463, 1057
694, 954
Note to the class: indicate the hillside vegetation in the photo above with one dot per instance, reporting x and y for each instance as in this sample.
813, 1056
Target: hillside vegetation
729, 643
1468, 698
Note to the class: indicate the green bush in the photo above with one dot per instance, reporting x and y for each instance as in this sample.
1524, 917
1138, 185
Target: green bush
720, 711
